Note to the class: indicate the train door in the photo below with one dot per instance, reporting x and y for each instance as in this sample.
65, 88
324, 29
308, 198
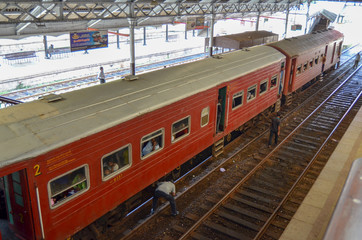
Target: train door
17, 205
326, 51
292, 75
333, 52
221, 110
281, 78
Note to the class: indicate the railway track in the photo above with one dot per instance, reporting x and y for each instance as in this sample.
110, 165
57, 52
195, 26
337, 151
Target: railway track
260, 205
263, 186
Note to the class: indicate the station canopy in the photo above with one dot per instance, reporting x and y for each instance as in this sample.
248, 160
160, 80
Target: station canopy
21, 18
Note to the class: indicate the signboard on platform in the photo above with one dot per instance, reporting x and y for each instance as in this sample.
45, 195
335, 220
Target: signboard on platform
295, 27
195, 23
88, 40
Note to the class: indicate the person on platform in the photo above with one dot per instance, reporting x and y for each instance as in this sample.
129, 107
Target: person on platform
166, 190
101, 76
274, 130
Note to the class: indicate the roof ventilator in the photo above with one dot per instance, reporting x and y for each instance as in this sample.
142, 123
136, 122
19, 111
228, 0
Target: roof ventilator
51, 97
130, 77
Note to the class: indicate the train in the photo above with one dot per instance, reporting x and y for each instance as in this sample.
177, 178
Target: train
68, 160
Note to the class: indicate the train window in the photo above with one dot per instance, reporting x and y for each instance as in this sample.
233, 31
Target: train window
238, 99
305, 66
273, 81
299, 69
316, 60
205, 116
251, 93
152, 143
68, 185
311, 63
180, 129
263, 86
116, 162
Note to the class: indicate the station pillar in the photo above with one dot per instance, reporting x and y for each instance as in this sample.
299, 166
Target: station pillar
166, 32
211, 38
132, 24
45, 41
307, 18
257, 22
286, 21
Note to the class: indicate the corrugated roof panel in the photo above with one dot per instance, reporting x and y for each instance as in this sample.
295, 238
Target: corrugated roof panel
297, 45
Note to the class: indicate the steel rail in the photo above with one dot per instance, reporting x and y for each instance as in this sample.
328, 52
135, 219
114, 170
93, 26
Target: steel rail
258, 166
291, 190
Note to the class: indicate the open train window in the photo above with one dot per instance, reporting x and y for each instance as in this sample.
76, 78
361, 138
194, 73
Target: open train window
305, 66
68, 185
311, 63
180, 129
116, 162
152, 143
238, 99
251, 93
263, 86
316, 60
273, 81
205, 116
299, 69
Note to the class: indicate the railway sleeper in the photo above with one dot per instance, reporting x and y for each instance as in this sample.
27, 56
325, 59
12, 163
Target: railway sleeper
302, 145
260, 190
258, 198
252, 204
266, 191
238, 220
269, 185
226, 231
246, 212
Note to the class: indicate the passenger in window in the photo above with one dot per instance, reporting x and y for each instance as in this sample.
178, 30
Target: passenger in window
81, 185
182, 132
151, 146
113, 166
107, 172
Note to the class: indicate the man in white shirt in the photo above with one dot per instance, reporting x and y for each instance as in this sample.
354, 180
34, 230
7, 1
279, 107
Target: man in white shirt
166, 190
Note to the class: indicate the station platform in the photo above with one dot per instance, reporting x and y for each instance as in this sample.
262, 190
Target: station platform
90, 62
311, 220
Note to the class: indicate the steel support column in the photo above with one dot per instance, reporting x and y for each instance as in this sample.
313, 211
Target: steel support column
286, 21
45, 41
118, 40
132, 24
307, 18
257, 21
166, 32
211, 38
144, 36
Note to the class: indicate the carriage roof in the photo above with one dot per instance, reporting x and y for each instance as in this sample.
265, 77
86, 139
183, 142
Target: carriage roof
296, 46
34, 128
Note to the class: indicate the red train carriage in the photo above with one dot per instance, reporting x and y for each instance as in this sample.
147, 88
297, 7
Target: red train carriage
67, 160
305, 57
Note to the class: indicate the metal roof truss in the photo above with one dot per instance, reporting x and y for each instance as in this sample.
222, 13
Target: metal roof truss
21, 17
